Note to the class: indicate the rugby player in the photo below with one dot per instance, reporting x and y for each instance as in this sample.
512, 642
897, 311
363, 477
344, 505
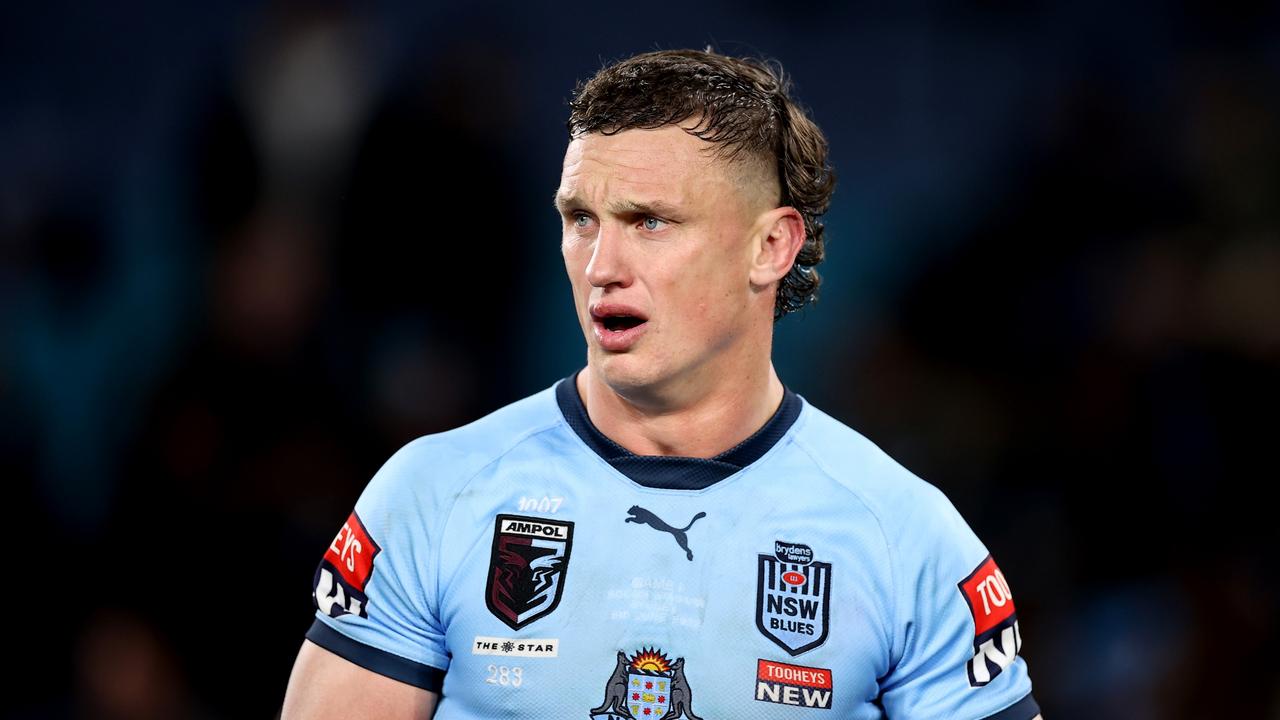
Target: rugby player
670, 532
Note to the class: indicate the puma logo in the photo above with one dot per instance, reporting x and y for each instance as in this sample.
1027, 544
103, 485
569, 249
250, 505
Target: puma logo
641, 516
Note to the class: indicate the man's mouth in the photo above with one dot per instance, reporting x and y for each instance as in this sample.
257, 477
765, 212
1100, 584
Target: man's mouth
617, 326
616, 323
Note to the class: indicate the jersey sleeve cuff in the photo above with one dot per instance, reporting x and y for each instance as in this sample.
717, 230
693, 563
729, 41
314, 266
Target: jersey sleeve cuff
378, 661
1024, 709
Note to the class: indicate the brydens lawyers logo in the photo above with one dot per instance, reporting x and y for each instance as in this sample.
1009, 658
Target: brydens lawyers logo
527, 568
996, 639
345, 570
646, 686
793, 597
793, 684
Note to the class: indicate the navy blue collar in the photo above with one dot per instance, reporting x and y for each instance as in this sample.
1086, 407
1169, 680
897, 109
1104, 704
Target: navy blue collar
673, 472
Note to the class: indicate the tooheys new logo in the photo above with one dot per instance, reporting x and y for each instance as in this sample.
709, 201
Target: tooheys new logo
996, 639
797, 685
345, 570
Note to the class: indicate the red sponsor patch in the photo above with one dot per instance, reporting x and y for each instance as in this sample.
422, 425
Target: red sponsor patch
351, 553
797, 675
988, 596
793, 578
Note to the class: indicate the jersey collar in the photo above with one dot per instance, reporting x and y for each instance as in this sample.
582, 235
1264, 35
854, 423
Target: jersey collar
673, 472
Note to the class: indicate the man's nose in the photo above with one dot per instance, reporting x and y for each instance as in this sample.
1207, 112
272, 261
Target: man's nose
608, 265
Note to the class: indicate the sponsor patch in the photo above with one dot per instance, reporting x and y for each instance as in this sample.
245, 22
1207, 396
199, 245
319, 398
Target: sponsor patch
793, 597
793, 684
996, 638
527, 568
646, 685
345, 570
516, 647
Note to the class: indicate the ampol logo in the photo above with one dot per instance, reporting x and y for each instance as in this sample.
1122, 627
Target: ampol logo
527, 567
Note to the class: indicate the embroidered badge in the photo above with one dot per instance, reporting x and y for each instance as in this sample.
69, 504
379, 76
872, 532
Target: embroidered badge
527, 568
793, 597
996, 638
345, 570
646, 685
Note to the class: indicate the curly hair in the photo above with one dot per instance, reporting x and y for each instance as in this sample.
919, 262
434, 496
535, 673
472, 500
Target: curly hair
744, 107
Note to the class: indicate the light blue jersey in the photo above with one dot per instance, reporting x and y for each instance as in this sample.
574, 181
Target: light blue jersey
525, 566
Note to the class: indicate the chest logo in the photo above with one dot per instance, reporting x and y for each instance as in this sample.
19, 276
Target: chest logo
640, 516
793, 684
793, 597
646, 686
527, 568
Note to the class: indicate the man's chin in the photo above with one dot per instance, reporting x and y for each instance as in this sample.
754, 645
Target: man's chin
624, 373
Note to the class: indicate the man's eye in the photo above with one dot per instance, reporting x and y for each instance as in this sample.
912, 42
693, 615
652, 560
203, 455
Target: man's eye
652, 223
581, 221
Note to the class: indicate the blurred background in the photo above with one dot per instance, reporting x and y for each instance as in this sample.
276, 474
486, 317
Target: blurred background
248, 250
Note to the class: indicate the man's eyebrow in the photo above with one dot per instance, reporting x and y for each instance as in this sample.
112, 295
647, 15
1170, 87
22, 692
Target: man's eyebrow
566, 203
656, 208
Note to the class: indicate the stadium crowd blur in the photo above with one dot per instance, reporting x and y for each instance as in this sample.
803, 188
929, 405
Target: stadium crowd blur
248, 252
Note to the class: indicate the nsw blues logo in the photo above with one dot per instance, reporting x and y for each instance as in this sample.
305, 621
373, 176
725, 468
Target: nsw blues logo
793, 597
527, 568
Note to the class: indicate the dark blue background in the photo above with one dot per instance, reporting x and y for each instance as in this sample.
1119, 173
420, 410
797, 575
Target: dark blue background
248, 251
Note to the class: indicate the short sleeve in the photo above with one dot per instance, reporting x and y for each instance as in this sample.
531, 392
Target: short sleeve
375, 589
957, 637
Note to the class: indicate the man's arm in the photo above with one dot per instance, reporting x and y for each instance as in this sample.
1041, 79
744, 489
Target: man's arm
324, 686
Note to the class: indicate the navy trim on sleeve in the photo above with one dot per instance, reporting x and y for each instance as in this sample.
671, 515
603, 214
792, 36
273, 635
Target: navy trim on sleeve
1024, 709
379, 661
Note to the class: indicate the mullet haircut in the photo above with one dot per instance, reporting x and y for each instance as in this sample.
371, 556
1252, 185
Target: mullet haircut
744, 107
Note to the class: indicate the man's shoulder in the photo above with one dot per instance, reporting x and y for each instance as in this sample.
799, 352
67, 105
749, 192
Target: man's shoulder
457, 454
860, 466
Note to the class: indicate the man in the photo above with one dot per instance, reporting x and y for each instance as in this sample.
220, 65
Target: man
670, 533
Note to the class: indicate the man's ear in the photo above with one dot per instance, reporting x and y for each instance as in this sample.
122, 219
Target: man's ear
778, 240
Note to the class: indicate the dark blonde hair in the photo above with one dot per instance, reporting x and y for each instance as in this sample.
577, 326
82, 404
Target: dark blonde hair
743, 106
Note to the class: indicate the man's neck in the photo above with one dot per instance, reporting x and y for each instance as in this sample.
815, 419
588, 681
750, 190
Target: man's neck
701, 426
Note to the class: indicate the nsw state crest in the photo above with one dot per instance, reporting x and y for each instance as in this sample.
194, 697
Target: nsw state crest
646, 686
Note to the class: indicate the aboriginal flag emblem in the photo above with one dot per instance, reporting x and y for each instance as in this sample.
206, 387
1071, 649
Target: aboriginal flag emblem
527, 568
